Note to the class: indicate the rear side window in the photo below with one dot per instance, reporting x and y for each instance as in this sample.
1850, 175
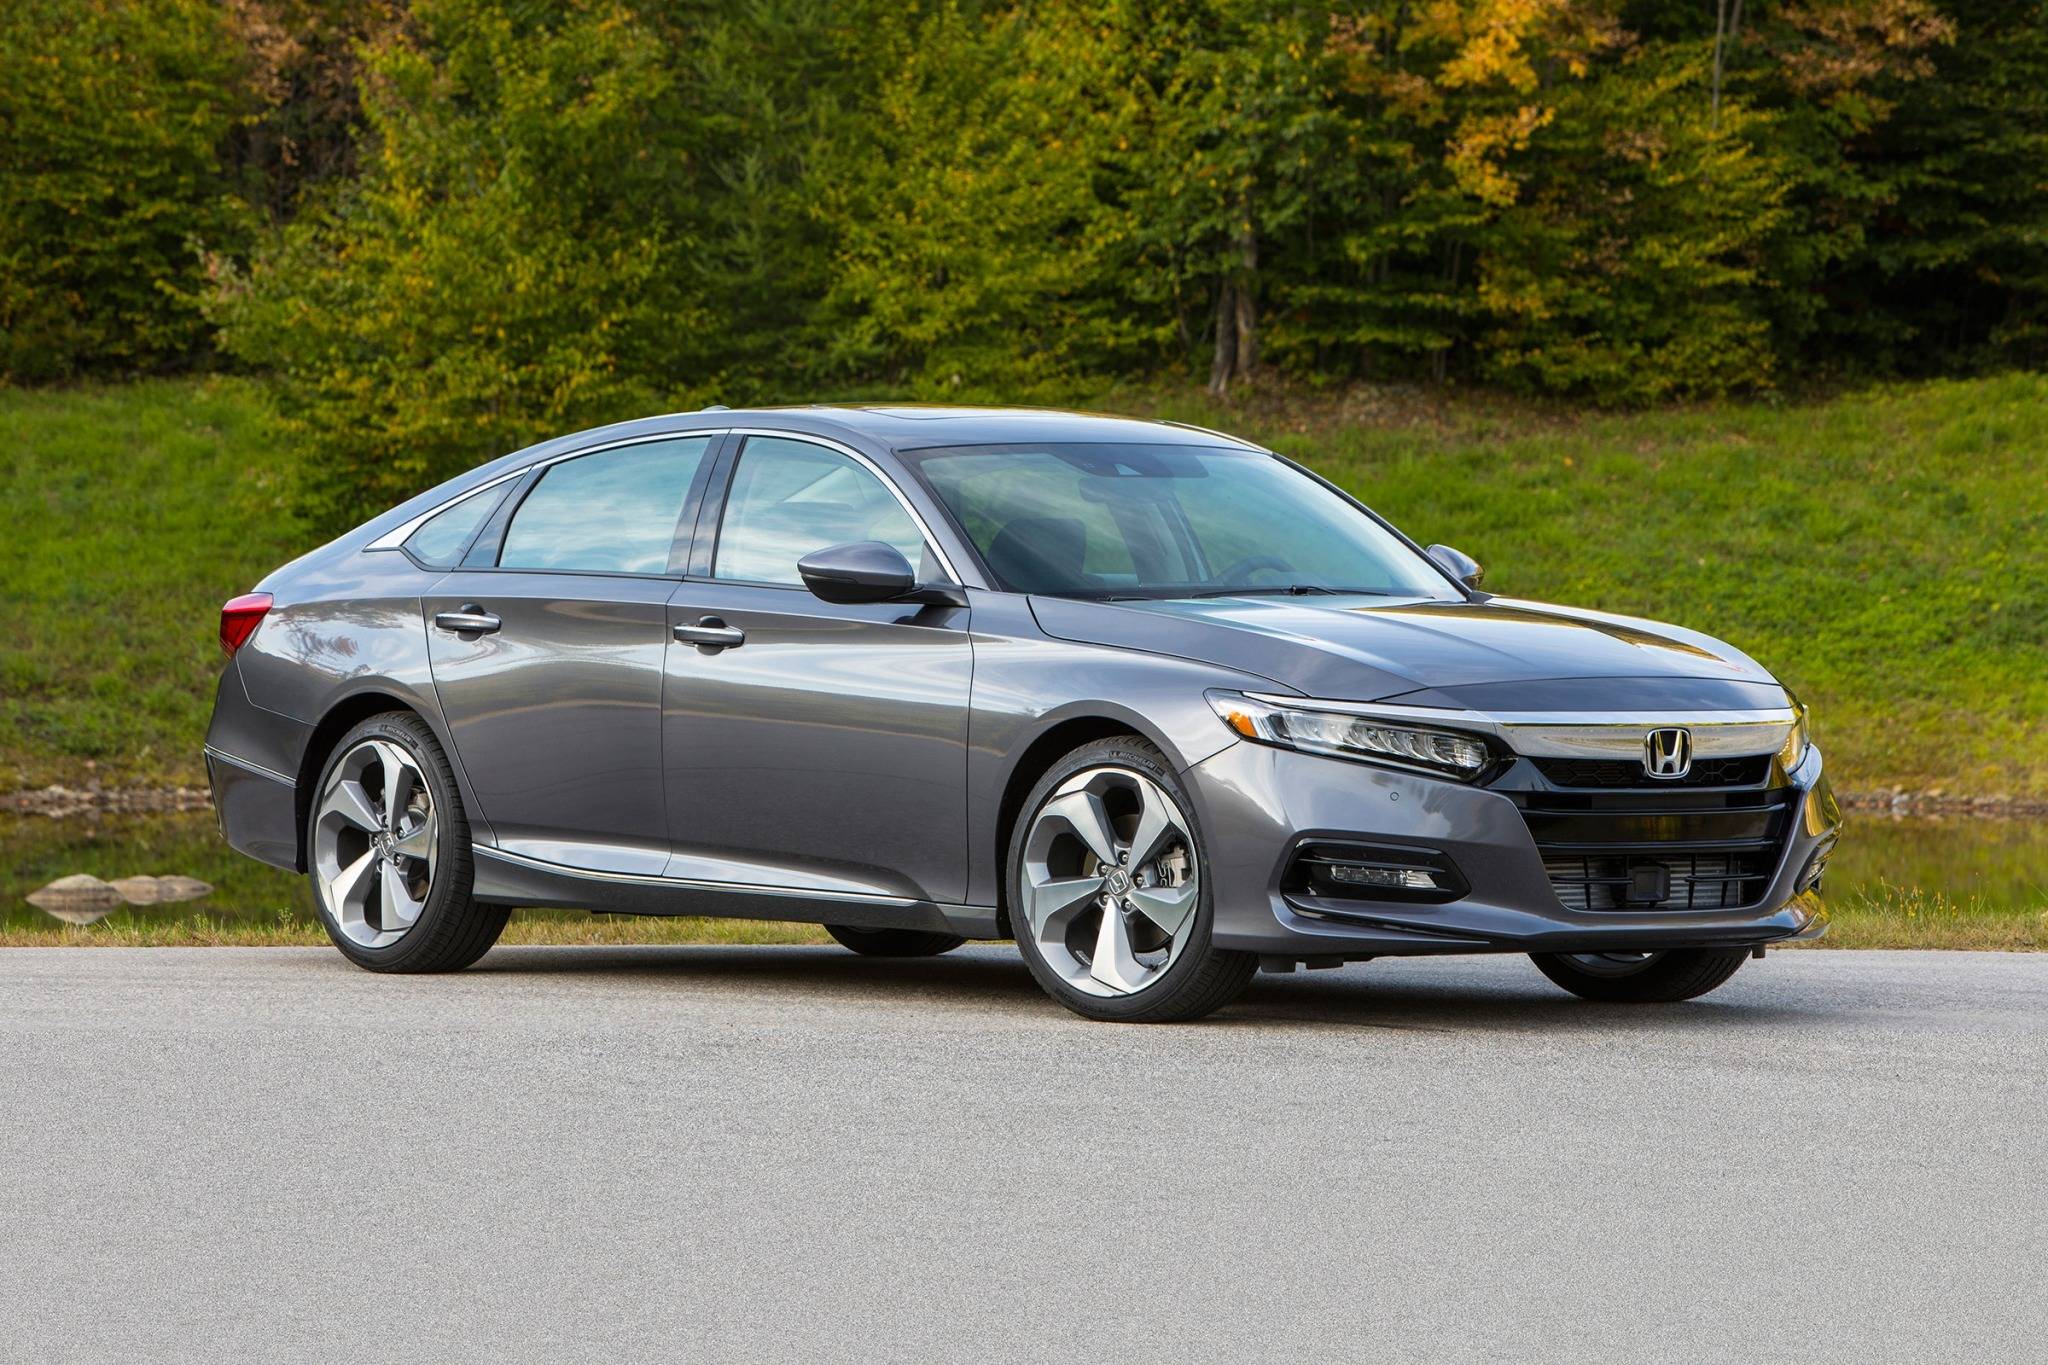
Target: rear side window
441, 538
612, 512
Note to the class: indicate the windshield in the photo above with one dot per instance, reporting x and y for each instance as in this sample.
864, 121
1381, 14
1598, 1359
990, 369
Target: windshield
1166, 521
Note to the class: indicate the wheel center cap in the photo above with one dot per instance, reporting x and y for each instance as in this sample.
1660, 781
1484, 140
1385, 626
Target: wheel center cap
1119, 881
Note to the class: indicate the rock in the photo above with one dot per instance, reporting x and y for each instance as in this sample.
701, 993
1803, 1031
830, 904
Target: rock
78, 892
160, 890
181, 889
138, 890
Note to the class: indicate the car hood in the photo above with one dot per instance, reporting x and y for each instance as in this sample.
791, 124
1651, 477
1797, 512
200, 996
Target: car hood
1491, 654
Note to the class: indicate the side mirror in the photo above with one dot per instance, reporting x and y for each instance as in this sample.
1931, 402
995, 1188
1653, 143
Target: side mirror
864, 571
1458, 564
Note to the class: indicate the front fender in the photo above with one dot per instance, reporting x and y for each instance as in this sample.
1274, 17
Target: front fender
1029, 686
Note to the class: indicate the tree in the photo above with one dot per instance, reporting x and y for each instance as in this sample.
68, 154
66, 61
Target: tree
503, 268
113, 115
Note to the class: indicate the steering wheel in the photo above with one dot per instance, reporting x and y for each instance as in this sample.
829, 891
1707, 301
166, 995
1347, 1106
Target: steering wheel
1252, 564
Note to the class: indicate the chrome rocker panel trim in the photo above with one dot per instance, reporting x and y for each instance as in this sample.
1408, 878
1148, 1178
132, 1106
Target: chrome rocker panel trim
516, 879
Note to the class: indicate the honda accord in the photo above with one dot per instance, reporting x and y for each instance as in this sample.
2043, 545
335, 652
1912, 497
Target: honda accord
1158, 704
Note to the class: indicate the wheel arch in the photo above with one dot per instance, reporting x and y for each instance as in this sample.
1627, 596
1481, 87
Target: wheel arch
343, 715
1060, 734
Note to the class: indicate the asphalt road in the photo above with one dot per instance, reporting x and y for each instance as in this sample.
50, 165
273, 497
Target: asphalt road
792, 1154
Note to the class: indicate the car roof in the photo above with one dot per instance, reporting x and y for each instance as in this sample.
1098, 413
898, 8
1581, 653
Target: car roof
915, 426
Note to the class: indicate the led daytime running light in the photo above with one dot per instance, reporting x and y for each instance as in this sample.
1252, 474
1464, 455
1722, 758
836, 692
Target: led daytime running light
1339, 735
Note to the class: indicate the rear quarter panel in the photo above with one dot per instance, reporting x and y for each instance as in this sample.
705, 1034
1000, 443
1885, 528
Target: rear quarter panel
343, 628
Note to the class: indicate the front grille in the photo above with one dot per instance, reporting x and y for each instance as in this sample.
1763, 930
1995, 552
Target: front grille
1659, 850
1617, 772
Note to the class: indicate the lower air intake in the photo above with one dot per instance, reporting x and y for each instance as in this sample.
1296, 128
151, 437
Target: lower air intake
1669, 881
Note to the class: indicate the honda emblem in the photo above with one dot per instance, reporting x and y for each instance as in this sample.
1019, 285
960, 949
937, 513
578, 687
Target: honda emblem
1667, 754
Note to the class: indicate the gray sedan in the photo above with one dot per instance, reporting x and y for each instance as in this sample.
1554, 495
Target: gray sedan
1159, 704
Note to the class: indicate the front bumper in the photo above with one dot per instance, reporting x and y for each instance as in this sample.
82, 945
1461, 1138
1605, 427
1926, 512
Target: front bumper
1258, 804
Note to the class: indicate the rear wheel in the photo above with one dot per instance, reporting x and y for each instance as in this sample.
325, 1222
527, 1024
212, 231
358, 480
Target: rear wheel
894, 942
388, 853
1108, 892
1641, 978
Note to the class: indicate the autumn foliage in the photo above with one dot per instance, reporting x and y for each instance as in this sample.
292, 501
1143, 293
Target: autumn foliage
448, 226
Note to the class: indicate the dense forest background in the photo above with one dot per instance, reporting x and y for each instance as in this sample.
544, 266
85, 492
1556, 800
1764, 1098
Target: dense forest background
447, 227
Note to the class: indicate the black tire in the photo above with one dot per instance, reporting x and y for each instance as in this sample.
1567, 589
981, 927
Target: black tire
894, 942
1679, 974
1203, 978
453, 929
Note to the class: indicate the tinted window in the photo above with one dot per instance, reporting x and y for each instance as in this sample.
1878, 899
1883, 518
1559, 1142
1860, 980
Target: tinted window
441, 538
789, 498
612, 512
1167, 521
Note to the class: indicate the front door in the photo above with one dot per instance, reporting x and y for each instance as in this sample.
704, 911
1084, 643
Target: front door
813, 746
549, 661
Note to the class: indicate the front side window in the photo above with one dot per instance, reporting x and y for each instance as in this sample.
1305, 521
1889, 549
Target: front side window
789, 498
1167, 521
611, 512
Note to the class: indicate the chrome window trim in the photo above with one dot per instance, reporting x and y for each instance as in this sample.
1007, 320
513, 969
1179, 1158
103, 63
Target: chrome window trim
837, 448
1573, 734
398, 535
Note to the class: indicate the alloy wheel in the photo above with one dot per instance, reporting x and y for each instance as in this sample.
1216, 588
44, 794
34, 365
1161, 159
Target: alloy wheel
374, 845
1110, 881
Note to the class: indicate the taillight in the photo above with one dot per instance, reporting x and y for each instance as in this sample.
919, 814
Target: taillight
239, 617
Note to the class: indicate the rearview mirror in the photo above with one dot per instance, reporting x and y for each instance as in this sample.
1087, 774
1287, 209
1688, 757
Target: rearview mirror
1458, 564
864, 571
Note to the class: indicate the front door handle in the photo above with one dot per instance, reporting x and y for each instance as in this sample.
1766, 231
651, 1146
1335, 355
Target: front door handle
471, 620
711, 634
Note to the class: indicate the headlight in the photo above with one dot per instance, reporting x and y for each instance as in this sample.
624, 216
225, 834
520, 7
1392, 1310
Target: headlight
1796, 743
1341, 735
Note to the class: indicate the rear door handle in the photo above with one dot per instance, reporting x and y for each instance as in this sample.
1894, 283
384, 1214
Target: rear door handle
471, 620
712, 634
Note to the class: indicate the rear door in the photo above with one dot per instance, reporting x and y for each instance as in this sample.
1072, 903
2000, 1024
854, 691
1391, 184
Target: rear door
824, 747
548, 648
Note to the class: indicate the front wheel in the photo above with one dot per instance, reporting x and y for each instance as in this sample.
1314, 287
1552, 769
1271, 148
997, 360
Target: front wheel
1108, 891
388, 853
1641, 978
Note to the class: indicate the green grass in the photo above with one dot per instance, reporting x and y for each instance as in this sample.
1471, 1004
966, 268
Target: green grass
197, 929
1885, 552
1915, 917
131, 514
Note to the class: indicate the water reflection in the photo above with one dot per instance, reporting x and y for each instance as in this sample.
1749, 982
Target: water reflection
1989, 866
134, 870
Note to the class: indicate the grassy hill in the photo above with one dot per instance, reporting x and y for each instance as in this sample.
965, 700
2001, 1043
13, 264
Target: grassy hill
1885, 552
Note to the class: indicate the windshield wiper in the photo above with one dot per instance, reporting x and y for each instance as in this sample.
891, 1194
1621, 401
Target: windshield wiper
1290, 590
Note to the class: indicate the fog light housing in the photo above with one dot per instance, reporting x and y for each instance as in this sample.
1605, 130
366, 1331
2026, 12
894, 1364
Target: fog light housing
1365, 874
1339, 870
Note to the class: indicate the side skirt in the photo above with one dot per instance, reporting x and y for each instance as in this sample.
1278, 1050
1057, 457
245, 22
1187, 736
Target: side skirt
514, 879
